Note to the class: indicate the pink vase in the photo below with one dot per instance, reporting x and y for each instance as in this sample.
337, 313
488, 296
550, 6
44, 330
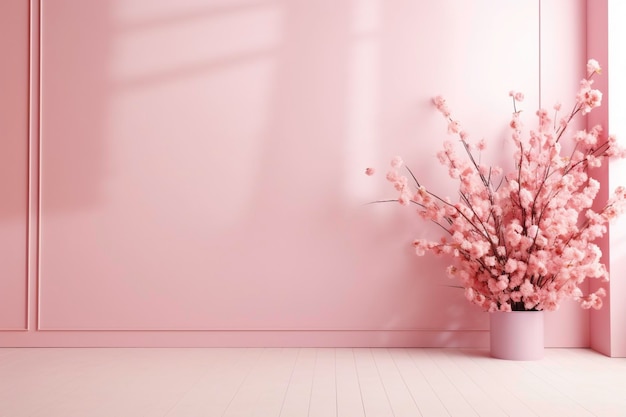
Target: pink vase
517, 335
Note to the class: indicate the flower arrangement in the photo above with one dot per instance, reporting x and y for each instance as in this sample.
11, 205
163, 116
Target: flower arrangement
522, 240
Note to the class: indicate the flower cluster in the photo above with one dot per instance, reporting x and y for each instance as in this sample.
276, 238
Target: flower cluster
522, 240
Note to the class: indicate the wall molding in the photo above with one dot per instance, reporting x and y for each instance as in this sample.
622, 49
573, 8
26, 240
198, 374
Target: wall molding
246, 329
34, 163
298, 338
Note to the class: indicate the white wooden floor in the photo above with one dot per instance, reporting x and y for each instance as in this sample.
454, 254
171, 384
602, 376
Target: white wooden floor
322, 382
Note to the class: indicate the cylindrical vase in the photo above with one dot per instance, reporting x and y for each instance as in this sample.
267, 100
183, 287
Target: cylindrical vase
516, 335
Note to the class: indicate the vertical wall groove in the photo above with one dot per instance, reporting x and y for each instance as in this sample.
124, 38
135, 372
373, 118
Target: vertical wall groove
539, 69
33, 165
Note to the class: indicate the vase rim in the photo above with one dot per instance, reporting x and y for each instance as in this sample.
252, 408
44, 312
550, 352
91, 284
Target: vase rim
517, 311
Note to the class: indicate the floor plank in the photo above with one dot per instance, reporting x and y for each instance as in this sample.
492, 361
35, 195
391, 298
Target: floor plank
475, 395
349, 398
426, 398
215, 389
296, 402
495, 383
452, 398
373, 392
400, 398
323, 402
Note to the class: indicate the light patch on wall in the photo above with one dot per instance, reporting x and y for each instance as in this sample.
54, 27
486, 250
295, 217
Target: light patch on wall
194, 150
366, 16
363, 96
188, 119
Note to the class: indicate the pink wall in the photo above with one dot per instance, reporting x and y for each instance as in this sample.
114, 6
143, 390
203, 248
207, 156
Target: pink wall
605, 39
201, 166
13, 163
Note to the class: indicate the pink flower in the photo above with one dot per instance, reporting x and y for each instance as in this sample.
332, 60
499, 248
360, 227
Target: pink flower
526, 289
593, 66
503, 283
517, 96
396, 162
585, 84
478, 249
588, 99
370, 171
440, 104
593, 162
492, 307
515, 123
420, 247
392, 176
404, 199
454, 126
506, 307
531, 301
596, 303
544, 121
511, 265
526, 197
615, 150
593, 300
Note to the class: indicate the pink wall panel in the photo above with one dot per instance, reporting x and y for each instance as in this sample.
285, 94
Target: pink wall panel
563, 58
597, 45
202, 161
605, 40
14, 50
617, 124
